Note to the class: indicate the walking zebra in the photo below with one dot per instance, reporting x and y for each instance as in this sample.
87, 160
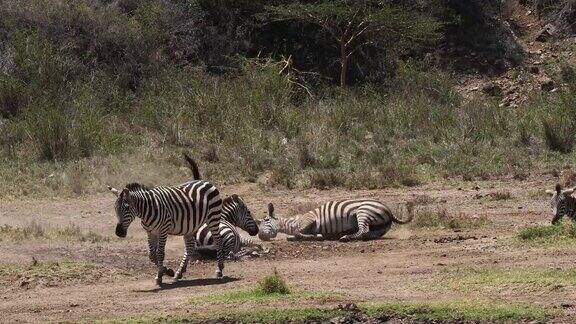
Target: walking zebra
344, 220
234, 213
562, 203
179, 210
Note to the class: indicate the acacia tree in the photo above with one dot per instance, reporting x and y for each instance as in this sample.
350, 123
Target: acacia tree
354, 24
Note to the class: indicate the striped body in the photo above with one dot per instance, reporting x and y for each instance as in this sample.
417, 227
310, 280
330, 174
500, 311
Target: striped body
234, 213
563, 204
179, 210
344, 220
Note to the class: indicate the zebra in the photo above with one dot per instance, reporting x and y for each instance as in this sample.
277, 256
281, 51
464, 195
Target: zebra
234, 213
562, 203
344, 220
178, 210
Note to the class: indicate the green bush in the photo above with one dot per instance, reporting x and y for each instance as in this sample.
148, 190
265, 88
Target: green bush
273, 284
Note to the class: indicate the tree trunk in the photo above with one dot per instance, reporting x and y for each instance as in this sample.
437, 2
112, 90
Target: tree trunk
344, 64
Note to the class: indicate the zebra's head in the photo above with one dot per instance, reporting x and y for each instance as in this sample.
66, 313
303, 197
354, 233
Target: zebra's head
269, 225
235, 208
124, 213
559, 202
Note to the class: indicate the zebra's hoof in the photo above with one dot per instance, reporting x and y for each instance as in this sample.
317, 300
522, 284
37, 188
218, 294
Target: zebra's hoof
169, 272
344, 239
158, 281
219, 274
178, 275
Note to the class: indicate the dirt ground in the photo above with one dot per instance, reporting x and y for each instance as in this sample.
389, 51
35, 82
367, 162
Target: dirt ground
407, 265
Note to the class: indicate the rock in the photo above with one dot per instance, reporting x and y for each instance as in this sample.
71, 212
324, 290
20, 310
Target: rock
534, 69
492, 89
546, 33
547, 84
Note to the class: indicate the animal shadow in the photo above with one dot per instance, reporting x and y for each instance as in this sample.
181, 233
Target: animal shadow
190, 283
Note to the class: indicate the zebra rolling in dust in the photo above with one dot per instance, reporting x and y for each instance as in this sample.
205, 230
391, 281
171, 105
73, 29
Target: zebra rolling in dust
562, 203
346, 220
179, 210
234, 213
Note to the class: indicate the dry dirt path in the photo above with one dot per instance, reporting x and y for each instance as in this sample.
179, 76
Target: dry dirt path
408, 265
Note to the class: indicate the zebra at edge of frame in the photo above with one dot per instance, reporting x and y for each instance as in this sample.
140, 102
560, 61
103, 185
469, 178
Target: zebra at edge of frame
562, 203
345, 220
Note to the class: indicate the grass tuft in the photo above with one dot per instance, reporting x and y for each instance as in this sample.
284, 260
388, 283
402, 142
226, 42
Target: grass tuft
469, 310
441, 218
560, 234
273, 284
35, 231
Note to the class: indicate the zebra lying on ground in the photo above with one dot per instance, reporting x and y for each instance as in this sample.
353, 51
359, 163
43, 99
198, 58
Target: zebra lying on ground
562, 203
179, 210
356, 219
234, 213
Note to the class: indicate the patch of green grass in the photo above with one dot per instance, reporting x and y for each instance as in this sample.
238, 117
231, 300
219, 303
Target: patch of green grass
472, 310
499, 279
273, 284
257, 296
549, 235
441, 218
483, 311
270, 288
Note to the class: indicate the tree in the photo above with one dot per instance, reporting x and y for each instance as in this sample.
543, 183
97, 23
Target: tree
357, 23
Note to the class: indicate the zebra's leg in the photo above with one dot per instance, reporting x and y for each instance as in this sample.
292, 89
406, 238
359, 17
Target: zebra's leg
220, 252
152, 247
190, 244
160, 253
363, 229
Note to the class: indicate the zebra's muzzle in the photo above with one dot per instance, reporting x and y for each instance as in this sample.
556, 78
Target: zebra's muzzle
120, 231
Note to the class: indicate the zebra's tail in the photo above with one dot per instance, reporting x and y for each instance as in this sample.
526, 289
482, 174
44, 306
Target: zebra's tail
193, 166
410, 209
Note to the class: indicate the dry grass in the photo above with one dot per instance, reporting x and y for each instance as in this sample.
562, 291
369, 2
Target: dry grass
35, 231
441, 218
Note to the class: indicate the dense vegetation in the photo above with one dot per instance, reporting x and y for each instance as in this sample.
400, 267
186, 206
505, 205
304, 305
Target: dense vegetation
98, 91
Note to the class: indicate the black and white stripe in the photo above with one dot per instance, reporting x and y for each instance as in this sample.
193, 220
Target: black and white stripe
345, 220
179, 210
562, 203
234, 213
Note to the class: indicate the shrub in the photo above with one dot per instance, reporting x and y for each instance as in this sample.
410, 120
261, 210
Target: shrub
273, 284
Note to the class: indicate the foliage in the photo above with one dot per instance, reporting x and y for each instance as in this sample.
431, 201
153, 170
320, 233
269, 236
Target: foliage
273, 284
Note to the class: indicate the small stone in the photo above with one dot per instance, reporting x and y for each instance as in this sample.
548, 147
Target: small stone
492, 89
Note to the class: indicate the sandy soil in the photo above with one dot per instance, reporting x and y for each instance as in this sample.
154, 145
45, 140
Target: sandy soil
409, 264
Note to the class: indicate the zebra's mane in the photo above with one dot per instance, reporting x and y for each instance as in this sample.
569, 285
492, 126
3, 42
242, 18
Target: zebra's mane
136, 186
231, 200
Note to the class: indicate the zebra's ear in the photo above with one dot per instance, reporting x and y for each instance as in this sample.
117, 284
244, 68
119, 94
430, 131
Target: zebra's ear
271, 210
114, 191
126, 195
236, 198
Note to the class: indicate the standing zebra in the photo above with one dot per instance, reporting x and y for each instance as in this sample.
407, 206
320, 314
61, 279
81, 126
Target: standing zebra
234, 213
344, 220
562, 203
179, 210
